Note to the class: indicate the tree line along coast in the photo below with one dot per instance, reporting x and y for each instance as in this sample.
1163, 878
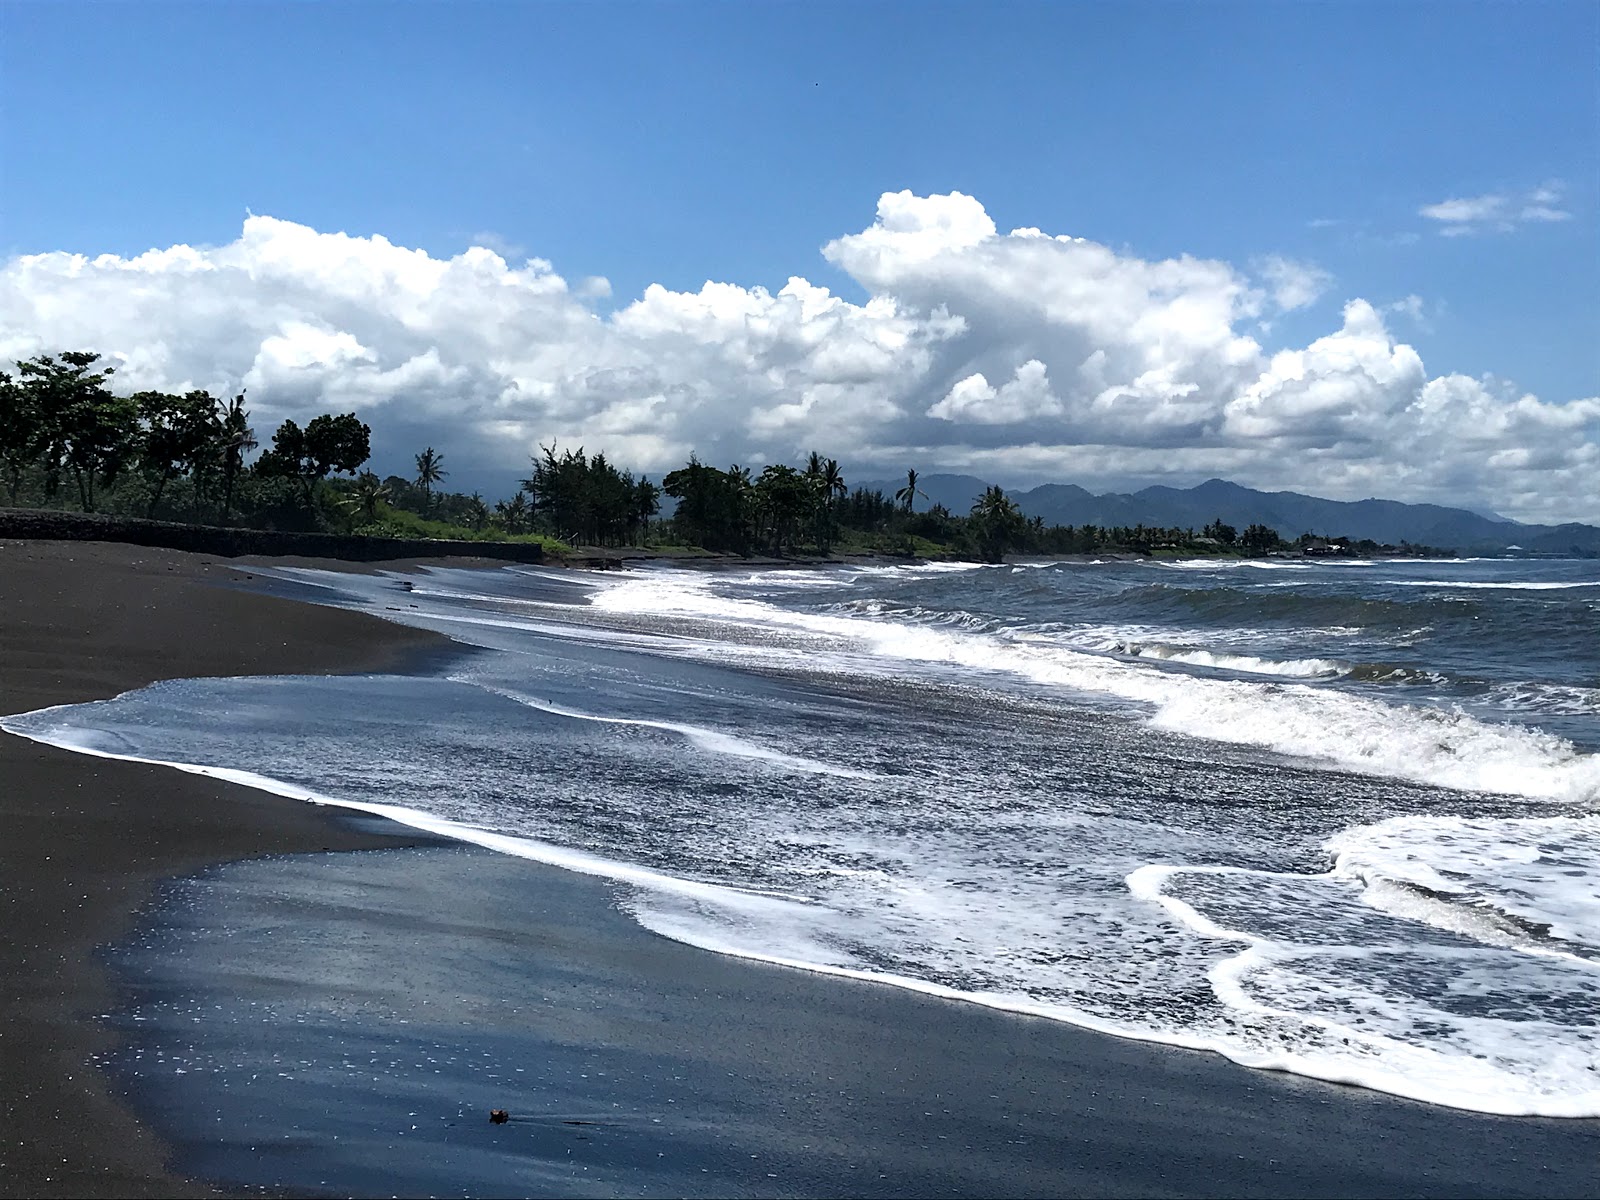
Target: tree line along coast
68, 442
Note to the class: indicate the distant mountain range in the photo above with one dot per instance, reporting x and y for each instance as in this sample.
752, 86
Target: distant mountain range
1290, 513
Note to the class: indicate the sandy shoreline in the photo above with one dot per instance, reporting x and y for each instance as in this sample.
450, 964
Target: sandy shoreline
366, 1011
85, 839
821, 1075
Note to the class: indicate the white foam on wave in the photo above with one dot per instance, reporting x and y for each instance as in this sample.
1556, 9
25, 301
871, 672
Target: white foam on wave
1446, 748
84, 741
713, 741
1508, 585
914, 915
1544, 872
1234, 564
1547, 698
874, 606
1329, 1014
1299, 1006
761, 925
1251, 664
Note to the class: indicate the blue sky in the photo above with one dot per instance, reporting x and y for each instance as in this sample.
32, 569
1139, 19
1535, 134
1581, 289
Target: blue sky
675, 143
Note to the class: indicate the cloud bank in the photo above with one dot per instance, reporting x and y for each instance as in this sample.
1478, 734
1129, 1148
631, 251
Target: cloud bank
1020, 356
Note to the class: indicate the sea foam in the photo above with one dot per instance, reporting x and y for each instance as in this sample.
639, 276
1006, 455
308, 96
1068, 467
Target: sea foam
1358, 733
1199, 894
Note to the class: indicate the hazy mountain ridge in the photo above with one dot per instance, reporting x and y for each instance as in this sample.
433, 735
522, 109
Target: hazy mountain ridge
1290, 513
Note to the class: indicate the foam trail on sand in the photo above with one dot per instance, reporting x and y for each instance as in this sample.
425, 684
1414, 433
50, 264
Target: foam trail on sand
1355, 1006
711, 740
84, 742
1054, 789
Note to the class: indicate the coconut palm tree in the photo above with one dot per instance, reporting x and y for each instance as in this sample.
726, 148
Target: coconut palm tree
908, 494
513, 515
833, 480
996, 523
235, 439
368, 492
429, 473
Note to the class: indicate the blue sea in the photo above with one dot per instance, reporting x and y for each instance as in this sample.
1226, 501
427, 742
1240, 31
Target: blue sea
1339, 818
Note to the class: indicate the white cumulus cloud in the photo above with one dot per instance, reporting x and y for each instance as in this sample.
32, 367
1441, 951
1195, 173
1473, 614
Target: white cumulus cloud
1026, 396
1020, 355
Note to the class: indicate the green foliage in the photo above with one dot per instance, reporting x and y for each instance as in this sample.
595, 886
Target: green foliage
587, 500
784, 498
553, 547
19, 431
429, 472
82, 428
514, 514
178, 435
386, 520
826, 485
996, 525
908, 494
1259, 539
366, 496
309, 456
187, 456
235, 439
714, 507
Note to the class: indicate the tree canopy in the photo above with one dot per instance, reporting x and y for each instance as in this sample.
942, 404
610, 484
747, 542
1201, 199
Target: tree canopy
67, 438
327, 444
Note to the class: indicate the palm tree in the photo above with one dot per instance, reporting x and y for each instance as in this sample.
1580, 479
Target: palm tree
833, 480
477, 511
513, 515
996, 523
908, 494
368, 493
822, 476
742, 495
428, 474
236, 439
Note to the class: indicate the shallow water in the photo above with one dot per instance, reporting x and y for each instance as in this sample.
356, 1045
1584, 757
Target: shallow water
1337, 819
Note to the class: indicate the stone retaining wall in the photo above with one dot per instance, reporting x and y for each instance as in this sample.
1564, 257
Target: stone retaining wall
230, 543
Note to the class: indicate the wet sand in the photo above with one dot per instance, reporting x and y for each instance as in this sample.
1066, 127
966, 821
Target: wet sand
413, 989
83, 839
366, 1012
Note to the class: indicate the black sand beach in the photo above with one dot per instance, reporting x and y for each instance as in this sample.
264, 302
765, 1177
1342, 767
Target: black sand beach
411, 990
84, 839
395, 998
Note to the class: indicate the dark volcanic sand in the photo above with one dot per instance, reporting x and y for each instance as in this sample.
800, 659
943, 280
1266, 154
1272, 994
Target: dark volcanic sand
366, 1011
82, 839
692, 1062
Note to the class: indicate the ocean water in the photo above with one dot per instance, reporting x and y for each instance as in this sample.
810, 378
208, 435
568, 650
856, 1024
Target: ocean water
1340, 819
